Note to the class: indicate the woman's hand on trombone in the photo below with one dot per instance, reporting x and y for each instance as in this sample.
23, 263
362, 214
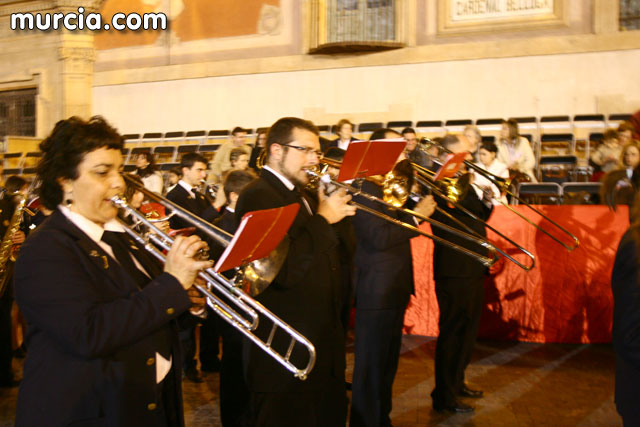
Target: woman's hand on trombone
182, 260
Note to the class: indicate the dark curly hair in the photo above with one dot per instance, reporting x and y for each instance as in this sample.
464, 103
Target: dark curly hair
64, 149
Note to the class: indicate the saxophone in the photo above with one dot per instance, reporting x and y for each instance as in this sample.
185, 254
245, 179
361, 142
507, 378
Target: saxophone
7, 249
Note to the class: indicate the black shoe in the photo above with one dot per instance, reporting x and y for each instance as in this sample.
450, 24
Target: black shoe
193, 375
457, 407
467, 392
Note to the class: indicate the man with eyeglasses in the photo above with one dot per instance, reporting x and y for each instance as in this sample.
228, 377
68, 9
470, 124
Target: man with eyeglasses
412, 151
306, 293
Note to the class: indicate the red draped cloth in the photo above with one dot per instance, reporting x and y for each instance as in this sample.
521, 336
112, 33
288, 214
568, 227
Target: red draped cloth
566, 297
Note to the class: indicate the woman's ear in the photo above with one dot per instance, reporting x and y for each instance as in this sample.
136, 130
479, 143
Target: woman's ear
65, 184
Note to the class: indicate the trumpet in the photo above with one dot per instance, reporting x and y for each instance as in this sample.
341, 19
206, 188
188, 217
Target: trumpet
254, 311
395, 191
504, 184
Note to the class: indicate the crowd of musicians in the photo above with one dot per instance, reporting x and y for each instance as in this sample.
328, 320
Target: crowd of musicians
110, 331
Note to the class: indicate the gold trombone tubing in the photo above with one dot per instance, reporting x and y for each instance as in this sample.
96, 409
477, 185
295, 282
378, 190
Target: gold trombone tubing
327, 180
503, 185
425, 178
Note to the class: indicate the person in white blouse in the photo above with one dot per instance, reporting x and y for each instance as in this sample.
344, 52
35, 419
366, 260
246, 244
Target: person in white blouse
515, 151
146, 169
488, 161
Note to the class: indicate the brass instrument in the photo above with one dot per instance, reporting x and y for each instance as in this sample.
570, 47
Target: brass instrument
253, 310
504, 186
425, 177
255, 276
7, 249
396, 192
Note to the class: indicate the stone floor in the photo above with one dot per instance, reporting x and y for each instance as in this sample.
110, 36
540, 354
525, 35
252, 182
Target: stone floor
525, 384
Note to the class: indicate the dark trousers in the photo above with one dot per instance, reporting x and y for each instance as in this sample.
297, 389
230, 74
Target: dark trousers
6, 353
210, 342
188, 345
234, 395
460, 303
378, 337
324, 408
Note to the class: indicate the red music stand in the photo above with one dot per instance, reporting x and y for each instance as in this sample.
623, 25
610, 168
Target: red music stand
258, 234
367, 158
451, 166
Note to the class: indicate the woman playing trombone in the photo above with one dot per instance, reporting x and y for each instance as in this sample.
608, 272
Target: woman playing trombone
102, 334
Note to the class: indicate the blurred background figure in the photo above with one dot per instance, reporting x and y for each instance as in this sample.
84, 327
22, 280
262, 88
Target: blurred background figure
147, 170
515, 151
487, 160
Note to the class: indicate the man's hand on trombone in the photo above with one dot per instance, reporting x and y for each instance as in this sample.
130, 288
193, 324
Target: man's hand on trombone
336, 206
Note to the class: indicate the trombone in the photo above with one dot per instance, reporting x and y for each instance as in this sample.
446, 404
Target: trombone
503, 185
225, 287
456, 189
394, 189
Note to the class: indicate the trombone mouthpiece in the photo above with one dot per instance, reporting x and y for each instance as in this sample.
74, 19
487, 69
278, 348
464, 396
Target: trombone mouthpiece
119, 200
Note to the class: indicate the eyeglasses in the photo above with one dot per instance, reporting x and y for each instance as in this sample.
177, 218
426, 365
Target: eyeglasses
306, 150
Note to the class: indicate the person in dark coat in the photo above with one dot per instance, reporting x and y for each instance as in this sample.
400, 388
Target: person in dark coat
14, 184
460, 290
306, 292
102, 337
383, 285
186, 195
234, 395
625, 285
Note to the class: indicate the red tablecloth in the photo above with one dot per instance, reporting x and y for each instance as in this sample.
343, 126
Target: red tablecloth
565, 298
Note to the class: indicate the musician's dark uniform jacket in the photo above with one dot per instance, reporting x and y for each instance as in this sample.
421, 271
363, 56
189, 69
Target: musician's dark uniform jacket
306, 294
93, 333
626, 323
197, 204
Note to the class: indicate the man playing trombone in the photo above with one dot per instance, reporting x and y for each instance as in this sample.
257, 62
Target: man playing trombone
306, 292
383, 286
186, 194
459, 290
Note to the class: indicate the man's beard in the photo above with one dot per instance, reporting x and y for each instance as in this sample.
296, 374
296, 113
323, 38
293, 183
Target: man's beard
290, 176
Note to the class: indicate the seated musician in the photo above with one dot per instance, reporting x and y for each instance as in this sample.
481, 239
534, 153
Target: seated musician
487, 156
306, 292
102, 337
515, 151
